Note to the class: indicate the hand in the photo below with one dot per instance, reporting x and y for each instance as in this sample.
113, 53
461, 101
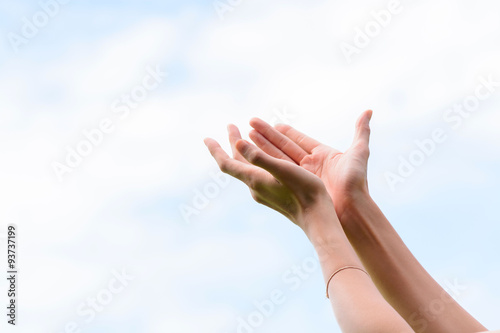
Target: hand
280, 185
344, 174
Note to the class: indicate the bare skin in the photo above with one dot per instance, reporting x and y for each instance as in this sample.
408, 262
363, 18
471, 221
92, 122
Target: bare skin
303, 198
405, 284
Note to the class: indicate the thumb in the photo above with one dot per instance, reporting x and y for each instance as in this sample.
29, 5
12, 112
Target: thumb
362, 136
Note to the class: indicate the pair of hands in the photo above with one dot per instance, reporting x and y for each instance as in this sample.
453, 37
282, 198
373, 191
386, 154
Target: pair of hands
293, 173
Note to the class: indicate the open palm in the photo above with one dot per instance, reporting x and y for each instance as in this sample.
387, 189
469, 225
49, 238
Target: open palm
344, 174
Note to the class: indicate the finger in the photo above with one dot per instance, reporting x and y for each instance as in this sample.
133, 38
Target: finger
287, 173
362, 136
237, 169
234, 135
302, 140
283, 143
267, 146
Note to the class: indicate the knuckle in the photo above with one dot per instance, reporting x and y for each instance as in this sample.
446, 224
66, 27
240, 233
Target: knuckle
284, 127
283, 141
255, 186
256, 197
252, 184
287, 129
365, 150
362, 146
224, 166
254, 157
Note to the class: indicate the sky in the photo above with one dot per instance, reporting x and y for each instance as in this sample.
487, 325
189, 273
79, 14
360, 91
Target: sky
104, 110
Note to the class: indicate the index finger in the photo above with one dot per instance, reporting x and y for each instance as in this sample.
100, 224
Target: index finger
282, 142
287, 173
305, 142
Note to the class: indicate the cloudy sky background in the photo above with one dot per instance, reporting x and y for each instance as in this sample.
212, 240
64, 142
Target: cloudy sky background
119, 210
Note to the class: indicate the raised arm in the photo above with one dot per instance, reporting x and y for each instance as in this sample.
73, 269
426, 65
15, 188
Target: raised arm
402, 280
302, 197
357, 304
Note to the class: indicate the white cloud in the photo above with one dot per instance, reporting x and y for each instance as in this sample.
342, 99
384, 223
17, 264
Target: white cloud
263, 56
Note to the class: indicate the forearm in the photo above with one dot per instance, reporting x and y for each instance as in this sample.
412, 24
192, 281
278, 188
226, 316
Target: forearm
357, 304
405, 284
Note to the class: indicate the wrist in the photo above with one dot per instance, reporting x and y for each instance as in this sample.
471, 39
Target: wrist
330, 241
320, 222
362, 219
350, 201
323, 228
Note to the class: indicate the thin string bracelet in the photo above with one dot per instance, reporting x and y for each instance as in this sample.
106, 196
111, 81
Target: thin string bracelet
339, 270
